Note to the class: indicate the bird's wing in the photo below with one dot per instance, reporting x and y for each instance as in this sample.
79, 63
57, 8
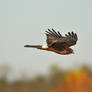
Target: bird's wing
52, 36
56, 40
71, 38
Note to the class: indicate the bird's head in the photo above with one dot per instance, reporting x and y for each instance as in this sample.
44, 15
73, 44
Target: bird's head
67, 51
70, 51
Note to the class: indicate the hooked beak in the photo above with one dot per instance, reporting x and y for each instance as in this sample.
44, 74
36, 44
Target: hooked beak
73, 52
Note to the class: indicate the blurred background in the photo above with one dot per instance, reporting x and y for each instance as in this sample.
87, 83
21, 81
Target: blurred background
25, 22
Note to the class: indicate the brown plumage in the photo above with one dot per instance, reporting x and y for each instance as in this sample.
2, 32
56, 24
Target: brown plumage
58, 43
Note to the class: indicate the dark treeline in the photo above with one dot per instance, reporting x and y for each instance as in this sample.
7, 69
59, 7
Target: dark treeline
58, 80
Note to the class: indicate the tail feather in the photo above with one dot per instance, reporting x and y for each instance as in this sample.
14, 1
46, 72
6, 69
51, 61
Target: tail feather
33, 46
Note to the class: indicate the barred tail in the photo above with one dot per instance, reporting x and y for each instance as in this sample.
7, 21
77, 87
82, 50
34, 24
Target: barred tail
33, 46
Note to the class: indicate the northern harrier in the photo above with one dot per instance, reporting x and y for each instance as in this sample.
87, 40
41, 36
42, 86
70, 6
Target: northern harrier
58, 43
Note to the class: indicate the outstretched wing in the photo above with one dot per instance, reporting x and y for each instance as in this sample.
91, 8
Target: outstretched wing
57, 41
71, 38
52, 37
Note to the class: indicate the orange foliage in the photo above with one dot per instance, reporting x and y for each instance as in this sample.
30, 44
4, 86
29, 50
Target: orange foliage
76, 81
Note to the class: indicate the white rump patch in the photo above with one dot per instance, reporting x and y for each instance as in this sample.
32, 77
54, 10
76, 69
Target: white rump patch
44, 46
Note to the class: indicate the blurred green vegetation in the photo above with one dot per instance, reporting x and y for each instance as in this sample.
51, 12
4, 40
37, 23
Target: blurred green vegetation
58, 80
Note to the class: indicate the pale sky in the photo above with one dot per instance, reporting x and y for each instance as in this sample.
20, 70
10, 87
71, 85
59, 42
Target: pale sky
25, 22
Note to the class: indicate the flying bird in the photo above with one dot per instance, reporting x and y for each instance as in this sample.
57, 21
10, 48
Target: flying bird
58, 43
